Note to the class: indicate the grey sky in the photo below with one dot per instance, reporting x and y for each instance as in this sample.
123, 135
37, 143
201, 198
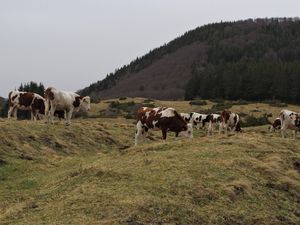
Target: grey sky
70, 44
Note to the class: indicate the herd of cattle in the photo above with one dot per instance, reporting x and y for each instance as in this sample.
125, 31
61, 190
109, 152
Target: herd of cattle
56, 103
62, 104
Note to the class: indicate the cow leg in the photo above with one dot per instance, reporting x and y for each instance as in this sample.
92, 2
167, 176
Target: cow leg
51, 114
15, 112
47, 111
164, 133
283, 129
226, 129
138, 132
33, 114
294, 134
221, 127
69, 116
209, 129
10, 112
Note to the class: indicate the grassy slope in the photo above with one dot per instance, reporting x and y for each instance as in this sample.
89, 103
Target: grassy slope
87, 174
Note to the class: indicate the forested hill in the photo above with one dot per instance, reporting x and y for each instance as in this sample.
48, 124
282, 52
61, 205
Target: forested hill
2, 100
252, 60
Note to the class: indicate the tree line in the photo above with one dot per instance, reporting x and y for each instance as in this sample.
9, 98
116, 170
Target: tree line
259, 65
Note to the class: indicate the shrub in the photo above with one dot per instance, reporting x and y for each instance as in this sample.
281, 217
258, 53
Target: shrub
148, 100
250, 121
198, 102
275, 103
220, 107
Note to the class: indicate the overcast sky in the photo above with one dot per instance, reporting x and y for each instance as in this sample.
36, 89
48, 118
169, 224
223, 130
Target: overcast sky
70, 44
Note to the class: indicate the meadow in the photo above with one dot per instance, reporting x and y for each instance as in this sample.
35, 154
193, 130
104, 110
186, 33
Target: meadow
90, 172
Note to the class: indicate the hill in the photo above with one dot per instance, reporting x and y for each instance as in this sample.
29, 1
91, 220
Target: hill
252, 59
56, 175
2, 101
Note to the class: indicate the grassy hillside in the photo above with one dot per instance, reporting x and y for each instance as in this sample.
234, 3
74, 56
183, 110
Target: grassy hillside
90, 173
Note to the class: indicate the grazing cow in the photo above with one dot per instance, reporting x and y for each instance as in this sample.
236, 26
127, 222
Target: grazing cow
166, 119
25, 101
276, 125
289, 120
65, 101
214, 121
229, 121
197, 119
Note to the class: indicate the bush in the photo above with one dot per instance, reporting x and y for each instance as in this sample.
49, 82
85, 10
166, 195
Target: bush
250, 121
122, 98
275, 103
198, 102
240, 102
220, 107
148, 100
217, 100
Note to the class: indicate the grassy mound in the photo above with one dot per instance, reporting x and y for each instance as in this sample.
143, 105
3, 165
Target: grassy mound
90, 173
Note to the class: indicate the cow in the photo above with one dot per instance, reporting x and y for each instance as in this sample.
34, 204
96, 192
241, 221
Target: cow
198, 120
65, 101
25, 101
276, 125
163, 118
229, 121
289, 120
214, 121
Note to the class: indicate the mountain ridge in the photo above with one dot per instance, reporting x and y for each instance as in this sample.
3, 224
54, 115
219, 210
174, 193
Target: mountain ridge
174, 70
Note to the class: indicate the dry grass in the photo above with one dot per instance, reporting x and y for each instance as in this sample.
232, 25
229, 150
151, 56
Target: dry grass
90, 173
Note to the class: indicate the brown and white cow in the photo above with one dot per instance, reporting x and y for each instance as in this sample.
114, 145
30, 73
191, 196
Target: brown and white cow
166, 119
276, 125
289, 120
229, 121
25, 101
65, 101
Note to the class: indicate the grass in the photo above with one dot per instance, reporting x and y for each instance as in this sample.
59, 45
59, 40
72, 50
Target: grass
90, 173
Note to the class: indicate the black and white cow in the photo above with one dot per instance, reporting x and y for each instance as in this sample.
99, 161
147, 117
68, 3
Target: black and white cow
214, 122
197, 119
163, 118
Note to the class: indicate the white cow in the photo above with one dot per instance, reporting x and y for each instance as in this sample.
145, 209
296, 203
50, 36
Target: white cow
289, 120
66, 101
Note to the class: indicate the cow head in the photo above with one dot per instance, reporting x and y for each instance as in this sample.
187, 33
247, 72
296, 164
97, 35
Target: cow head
238, 127
180, 126
188, 132
85, 103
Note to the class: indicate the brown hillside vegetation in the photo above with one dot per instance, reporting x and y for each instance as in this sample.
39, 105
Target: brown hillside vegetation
90, 173
163, 79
